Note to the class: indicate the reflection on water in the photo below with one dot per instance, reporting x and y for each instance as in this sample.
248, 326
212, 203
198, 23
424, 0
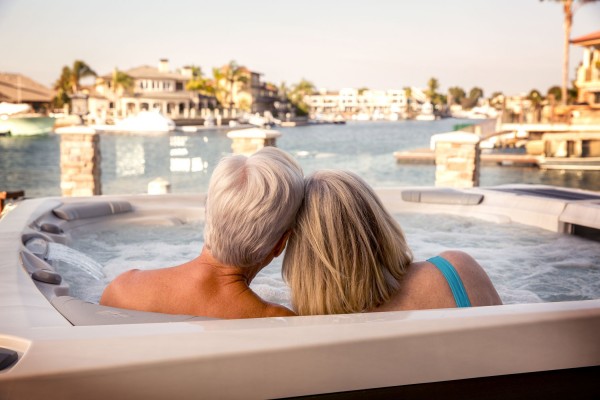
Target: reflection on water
130, 162
180, 162
130, 158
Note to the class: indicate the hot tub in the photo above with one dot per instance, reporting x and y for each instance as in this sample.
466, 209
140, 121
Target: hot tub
55, 345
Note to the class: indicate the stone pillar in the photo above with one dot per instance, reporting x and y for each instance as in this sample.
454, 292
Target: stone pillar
249, 141
457, 159
80, 173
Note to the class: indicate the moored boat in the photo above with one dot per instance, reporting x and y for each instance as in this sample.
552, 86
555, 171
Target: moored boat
18, 120
144, 122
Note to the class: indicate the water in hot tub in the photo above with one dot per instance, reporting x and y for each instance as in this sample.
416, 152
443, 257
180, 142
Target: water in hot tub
526, 264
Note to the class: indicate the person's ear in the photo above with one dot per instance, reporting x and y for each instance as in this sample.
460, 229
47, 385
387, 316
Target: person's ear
280, 246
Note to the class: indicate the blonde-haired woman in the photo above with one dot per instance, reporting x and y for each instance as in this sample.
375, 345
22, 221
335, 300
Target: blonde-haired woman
347, 254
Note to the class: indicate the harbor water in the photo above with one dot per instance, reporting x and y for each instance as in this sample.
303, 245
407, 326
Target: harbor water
130, 162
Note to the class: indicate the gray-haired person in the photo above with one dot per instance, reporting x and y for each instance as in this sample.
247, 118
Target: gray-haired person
250, 209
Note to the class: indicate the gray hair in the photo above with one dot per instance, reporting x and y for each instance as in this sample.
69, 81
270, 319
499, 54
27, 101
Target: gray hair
347, 254
251, 203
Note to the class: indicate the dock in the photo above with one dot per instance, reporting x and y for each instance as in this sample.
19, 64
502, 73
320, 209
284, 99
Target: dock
427, 156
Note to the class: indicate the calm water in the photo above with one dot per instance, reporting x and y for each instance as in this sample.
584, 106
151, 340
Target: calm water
130, 162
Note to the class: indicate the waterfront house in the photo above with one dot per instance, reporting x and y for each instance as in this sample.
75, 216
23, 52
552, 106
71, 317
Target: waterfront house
587, 111
358, 104
18, 88
588, 73
154, 89
249, 94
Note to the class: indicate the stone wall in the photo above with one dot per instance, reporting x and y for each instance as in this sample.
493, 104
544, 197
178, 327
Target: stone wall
457, 160
80, 173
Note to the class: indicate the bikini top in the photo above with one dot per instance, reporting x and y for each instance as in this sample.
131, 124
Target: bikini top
456, 284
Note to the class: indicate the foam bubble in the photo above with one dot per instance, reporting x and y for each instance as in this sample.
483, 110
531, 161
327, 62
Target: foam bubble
527, 265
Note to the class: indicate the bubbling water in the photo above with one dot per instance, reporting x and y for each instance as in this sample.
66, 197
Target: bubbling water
526, 265
61, 254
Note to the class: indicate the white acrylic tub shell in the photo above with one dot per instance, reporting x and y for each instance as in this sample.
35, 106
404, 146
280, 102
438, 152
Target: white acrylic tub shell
283, 357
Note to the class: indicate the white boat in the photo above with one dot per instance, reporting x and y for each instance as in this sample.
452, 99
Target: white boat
143, 122
18, 120
56, 346
426, 113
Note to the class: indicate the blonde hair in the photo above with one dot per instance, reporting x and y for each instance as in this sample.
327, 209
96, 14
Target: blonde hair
251, 203
347, 254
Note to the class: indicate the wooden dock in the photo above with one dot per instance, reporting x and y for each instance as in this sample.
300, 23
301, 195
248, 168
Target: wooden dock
427, 156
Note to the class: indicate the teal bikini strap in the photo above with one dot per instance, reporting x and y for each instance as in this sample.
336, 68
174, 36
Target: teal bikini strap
456, 284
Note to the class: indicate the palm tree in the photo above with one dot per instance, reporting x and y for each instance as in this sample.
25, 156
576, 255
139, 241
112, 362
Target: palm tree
63, 88
298, 93
228, 78
555, 92
457, 93
120, 83
536, 99
200, 84
567, 23
474, 95
80, 70
432, 86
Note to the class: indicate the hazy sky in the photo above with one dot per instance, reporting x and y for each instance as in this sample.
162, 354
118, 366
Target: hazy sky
499, 45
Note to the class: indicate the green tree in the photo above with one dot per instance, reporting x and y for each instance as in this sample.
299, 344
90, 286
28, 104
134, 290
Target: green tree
199, 83
204, 86
79, 71
432, 86
68, 82
362, 90
63, 88
497, 100
196, 72
121, 82
229, 77
457, 93
568, 12
298, 93
555, 92
535, 97
474, 95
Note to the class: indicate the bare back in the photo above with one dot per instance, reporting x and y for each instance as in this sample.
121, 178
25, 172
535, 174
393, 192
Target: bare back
425, 287
192, 288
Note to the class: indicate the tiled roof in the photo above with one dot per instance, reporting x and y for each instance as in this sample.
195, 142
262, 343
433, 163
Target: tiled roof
147, 72
19, 88
590, 38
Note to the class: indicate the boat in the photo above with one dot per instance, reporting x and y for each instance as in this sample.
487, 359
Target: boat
570, 163
54, 345
144, 122
427, 113
19, 120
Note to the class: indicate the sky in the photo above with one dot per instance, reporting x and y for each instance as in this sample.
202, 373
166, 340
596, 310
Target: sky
511, 46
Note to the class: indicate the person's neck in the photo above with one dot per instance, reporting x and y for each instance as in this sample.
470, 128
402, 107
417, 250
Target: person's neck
227, 272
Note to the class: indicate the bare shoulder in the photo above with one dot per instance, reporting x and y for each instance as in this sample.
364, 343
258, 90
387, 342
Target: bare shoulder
423, 287
122, 289
464, 264
478, 284
277, 310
